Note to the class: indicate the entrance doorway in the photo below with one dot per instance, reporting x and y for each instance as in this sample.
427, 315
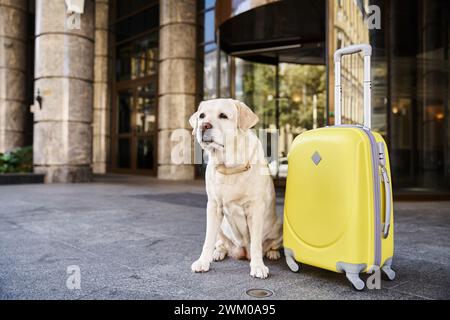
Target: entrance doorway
135, 44
134, 128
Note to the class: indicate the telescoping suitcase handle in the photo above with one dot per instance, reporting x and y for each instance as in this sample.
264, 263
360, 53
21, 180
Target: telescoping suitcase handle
366, 49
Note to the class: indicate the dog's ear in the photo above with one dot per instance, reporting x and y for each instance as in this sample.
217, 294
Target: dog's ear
246, 117
193, 121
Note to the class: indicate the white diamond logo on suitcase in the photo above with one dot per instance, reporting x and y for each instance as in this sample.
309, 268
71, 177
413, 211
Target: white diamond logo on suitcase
316, 158
338, 204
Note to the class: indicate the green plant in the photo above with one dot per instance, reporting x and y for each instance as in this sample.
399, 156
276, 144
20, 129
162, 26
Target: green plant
18, 160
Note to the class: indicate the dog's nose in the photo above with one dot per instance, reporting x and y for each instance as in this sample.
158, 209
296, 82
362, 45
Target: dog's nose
206, 126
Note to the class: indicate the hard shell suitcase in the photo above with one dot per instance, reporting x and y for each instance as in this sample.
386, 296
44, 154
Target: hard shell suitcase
338, 212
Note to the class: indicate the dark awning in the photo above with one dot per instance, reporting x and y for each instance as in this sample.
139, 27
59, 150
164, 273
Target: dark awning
281, 31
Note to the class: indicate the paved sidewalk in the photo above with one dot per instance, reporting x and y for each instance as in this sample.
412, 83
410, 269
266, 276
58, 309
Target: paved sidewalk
135, 238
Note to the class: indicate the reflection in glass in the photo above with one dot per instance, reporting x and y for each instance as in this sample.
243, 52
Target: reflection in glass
419, 96
209, 75
124, 111
255, 85
138, 58
410, 82
301, 100
145, 110
209, 26
380, 74
145, 56
349, 28
124, 153
145, 153
224, 75
209, 3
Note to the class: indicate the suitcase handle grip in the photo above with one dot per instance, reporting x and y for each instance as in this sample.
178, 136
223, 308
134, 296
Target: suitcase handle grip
387, 189
387, 196
366, 49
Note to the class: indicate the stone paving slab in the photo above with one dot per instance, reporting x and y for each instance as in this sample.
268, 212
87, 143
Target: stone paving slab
135, 238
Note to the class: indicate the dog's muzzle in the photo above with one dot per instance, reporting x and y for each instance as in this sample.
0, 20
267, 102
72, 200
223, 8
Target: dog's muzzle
206, 132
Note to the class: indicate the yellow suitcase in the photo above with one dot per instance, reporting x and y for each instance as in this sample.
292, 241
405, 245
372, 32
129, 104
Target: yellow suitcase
338, 212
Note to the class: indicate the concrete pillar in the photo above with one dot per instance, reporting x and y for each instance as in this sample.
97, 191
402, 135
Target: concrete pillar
102, 110
13, 109
177, 81
63, 76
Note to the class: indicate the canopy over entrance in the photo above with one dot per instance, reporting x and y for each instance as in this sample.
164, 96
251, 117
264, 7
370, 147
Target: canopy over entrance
273, 31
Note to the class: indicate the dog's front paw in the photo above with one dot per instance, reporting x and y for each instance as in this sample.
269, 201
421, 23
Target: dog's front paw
219, 255
273, 254
259, 271
200, 266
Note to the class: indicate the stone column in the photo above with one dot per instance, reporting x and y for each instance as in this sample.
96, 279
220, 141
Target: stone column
13, 109
101, 116
63, 77
177, 81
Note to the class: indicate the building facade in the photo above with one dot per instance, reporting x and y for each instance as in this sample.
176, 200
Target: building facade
105, 92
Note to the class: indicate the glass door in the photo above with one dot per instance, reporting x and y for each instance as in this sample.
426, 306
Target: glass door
134, 130
145, 128
135, 43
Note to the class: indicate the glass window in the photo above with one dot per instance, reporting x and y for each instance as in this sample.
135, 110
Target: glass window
129, 6
123, 61
209, 26
210, 85
348, 27
419, 80
138, 58
210, 47
136, 24
302, 98
224, 75
145, 159
124, 153
210, 75
125, 106
300, 104
255, 85
210, 3
145, 110
410, 81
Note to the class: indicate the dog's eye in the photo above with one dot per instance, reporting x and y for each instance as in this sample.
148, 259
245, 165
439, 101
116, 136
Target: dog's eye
202, 115
223, 116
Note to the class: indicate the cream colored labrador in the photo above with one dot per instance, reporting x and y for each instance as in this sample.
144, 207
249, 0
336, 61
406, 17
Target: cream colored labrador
241, 217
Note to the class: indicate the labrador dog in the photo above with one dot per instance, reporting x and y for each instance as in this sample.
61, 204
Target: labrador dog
241, 218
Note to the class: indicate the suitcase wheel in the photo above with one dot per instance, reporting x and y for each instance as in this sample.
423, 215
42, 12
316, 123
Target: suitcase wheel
352, 273
292, 264
355, 280
389, 273
290, 261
